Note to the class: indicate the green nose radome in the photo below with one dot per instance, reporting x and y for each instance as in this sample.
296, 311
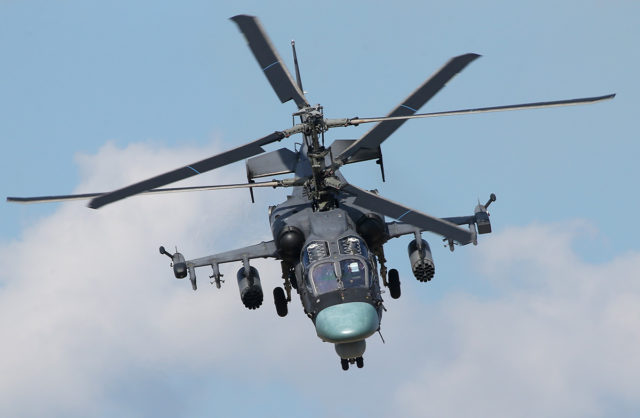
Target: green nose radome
347, 322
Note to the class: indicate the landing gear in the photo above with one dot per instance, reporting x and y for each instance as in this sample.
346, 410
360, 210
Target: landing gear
359, 361
280, 299
394, 284
293, 281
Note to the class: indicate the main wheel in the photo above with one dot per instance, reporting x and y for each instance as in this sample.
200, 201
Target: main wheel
359, 362
394, 284
280, 300
344, 363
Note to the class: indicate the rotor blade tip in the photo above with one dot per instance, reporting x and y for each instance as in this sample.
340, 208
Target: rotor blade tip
469, 55
236, 18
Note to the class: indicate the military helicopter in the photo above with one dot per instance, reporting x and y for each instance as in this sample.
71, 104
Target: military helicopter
328, 235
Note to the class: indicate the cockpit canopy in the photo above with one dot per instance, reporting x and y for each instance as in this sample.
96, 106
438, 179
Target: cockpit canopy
329, 270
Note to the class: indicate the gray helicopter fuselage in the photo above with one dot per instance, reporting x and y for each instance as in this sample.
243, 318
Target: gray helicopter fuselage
335, 270
329, 227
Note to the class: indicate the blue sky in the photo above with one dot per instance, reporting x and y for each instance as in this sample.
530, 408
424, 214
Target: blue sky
95, 96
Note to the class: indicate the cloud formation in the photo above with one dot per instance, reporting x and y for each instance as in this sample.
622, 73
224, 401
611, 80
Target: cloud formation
86, 299
94, 324
560, 338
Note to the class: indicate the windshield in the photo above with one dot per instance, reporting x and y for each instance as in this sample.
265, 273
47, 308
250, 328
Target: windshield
353, 273
324, 277
343, 274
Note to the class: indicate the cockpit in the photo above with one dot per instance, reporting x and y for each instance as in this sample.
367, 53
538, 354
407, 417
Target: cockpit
336, 266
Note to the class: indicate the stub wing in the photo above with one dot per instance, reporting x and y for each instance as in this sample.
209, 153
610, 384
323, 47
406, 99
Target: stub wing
478, 223
181, 266
261, 250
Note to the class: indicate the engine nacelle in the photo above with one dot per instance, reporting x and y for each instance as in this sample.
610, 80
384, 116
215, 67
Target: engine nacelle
289, 243
250, 288
179, 266
373, 229
421, 260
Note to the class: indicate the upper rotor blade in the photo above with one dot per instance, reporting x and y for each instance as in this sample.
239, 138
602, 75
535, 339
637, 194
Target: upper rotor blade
269, 60
410, 105
219, 160
536, 105
402, 213
84, 196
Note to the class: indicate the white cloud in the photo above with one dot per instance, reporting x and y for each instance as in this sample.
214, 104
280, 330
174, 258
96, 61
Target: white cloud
561, 338
91, 318
86, 296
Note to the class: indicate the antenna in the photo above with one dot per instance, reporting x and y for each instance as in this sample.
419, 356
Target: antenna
295, 62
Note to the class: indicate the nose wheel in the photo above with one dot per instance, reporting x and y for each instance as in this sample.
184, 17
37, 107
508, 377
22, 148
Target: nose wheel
359, 361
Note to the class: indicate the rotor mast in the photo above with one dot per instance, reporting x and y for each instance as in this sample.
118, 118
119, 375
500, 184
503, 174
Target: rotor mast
312, 117
314, 124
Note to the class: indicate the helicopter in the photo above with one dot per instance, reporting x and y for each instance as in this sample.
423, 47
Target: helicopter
329, 234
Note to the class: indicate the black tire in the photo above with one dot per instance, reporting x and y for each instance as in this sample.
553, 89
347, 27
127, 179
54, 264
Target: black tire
394, 284
344, 363
280, 300
360, 362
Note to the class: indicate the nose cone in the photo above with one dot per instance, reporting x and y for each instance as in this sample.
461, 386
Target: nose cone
347, 322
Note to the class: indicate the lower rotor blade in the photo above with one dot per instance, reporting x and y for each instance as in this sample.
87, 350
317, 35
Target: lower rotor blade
216, 161
84, 196
407, 215
536, 105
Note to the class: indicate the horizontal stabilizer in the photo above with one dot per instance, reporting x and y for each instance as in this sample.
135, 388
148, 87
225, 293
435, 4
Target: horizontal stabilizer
282, 161
362, 154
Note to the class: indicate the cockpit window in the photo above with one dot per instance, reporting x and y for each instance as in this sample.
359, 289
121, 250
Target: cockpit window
324, 277
353, 246
316, 250
354, 273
